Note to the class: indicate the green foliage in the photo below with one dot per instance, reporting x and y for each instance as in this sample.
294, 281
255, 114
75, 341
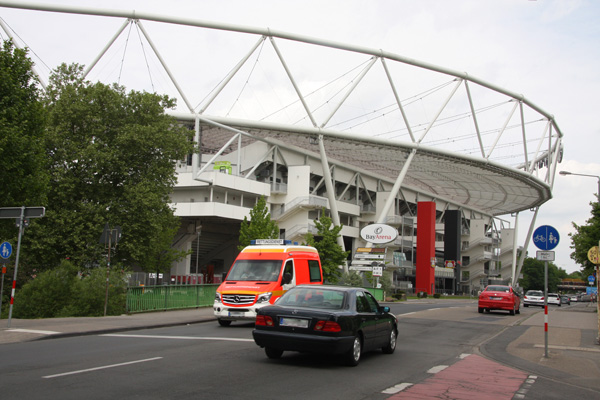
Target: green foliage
331, 254
352, 278
24, 178
533, 275
64, 292
111, 158
260, 225
585, 237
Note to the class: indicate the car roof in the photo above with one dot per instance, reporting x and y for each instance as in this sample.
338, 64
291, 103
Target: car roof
330, 287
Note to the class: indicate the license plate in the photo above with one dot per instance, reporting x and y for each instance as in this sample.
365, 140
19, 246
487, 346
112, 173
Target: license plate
495, 298
236, 313
294, 322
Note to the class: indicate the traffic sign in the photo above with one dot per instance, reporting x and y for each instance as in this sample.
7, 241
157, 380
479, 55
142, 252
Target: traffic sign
545, 255
593, 255
546, 237
591, 279
5, 250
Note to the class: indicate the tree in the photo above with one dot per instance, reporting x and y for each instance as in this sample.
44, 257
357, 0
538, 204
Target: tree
584, 238
533, 275
260, 225
24, 179
111, 156
330, 252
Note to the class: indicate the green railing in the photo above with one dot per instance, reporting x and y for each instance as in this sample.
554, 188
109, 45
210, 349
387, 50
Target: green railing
169, 297
173, 297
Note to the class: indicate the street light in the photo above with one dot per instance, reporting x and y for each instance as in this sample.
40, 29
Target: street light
591, 176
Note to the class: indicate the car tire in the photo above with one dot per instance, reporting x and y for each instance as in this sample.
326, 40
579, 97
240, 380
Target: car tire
224, 322
391, 346
518, 311
273, 353
512, 312
480, 310
353, 355
526, 305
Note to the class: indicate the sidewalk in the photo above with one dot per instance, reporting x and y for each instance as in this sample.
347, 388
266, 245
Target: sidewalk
24, 330
574, 353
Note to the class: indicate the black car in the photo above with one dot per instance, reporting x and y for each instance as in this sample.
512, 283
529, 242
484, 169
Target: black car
326, 319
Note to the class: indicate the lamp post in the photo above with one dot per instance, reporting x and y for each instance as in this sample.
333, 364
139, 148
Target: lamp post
591, 176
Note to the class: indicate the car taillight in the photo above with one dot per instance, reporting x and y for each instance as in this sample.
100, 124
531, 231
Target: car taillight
264, 320
328, 326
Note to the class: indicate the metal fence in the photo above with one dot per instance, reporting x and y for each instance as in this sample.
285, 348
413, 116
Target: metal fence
169, 297
172, 297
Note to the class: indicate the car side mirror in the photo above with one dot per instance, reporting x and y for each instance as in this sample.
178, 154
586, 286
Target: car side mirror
385, 309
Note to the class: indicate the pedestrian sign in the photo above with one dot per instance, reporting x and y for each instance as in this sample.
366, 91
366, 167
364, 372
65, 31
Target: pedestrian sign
546, 237
5, 250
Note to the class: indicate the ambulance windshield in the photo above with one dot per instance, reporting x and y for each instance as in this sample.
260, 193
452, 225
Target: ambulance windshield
255, 270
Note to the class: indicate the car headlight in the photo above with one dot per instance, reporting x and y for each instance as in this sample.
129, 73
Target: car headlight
217, 297
264, 297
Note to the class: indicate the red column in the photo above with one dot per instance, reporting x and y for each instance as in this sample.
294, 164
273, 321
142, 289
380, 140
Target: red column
425, 274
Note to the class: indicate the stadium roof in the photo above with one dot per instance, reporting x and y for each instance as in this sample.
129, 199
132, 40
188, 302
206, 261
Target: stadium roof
460, 138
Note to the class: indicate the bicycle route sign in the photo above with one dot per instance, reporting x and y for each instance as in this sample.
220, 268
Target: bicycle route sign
546, 237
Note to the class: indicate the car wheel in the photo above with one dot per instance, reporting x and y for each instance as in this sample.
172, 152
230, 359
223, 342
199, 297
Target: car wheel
224, 322
353, 355
273, 353
559, 304
518, 311
391, 346
512, 312
526, 305
480, 310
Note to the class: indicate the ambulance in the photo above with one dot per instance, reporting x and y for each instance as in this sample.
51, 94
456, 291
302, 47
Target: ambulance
260, 274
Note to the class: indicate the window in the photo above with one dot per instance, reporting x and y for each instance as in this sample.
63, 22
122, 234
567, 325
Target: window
314, 271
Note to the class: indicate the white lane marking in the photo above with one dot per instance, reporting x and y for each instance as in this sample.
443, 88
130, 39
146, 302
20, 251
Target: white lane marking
81, 371
33, 331
403, 315
397, 388
437, 369
178, 337
464, 355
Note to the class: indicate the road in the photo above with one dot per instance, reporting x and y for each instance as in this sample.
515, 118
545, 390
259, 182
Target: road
208, 361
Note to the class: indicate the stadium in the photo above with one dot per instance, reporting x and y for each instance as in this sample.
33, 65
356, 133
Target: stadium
364, 135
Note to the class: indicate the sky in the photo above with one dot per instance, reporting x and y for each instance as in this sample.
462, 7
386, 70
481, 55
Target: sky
549, 51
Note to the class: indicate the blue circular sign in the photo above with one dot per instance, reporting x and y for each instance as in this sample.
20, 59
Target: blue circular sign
5, 250
546, 237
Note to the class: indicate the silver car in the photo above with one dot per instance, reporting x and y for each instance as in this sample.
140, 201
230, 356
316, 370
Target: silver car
533, 298
553, 298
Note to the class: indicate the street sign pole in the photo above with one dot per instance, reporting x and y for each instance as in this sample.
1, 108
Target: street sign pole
14, 285
22, 215
546, 238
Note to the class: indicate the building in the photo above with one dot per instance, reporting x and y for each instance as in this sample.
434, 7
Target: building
364, 134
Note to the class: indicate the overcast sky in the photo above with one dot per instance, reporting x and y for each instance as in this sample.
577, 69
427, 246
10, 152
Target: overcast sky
549, 51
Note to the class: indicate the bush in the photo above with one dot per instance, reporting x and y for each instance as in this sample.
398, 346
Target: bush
64, 292
422, 295
436, 296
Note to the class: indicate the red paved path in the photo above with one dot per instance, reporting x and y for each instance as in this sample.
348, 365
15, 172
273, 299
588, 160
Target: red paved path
473, 377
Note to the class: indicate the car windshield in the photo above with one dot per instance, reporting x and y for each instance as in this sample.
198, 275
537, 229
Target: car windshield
255, 270
313, 298
534, 293
498, 289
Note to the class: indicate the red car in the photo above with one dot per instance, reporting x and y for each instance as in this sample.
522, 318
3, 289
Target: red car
497, 297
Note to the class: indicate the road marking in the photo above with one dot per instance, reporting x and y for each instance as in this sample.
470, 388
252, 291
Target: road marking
33, 331
437, 369
178, 337
81, 371
397, 388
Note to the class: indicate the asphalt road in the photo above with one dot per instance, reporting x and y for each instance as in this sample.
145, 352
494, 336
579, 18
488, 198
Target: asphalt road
208, 361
